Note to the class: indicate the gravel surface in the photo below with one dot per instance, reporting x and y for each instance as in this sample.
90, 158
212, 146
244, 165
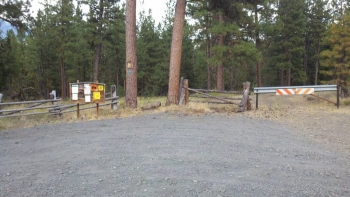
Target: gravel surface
170, 154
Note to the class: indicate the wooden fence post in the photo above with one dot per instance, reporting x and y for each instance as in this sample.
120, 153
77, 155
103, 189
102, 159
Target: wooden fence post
0, 102
114, 94
53, 96
187, 92
180, 89
78, 110
245, 97
182, 92
97, 109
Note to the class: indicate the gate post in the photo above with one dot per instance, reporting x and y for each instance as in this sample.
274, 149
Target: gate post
187, 92
53, 95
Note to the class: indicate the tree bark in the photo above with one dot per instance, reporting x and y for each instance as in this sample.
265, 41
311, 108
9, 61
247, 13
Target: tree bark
317, 64
220, 67
99, 44
208, 37
131, 58
63, 80
289, 76
257, 45
208, 65
175, 53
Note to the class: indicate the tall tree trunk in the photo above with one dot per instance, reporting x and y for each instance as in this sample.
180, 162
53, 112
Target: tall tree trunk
99, 42
220, 67
175, 53
63, 80
208, 37
317, 64
257, 45
307, 46
42, 76
282, 78
208, 64
131, 58
289, 76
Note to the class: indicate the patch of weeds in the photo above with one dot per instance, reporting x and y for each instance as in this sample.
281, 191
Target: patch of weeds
346, 103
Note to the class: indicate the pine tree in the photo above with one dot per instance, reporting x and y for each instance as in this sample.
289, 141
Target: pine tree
336, 60
289, 42
131, 58
318, 17
15, 12
175, 54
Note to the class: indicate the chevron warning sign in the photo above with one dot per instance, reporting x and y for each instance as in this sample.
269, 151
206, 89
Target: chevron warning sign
305, 91
285, 91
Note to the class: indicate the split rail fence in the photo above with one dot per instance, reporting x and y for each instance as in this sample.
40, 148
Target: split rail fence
54, 106
220, 97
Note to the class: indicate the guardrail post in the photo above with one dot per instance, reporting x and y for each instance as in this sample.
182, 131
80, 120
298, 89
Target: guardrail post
0, 102
257, 100
338, 95
114, 94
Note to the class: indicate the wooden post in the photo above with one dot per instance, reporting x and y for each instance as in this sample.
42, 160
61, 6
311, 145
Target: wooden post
245, 96
53, 96
180, 88
0, 102
248, 104
187, 92
114, 94
78, 111
182, 93
97, 109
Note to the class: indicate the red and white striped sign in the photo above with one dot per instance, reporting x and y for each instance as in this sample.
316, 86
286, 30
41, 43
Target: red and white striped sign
305, 91
285, 91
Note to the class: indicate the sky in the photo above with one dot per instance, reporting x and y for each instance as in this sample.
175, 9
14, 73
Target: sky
158, 7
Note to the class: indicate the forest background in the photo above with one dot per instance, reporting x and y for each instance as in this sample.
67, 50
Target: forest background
227, 42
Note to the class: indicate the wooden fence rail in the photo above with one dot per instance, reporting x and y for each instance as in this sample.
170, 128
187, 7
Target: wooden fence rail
55, 108
245, 100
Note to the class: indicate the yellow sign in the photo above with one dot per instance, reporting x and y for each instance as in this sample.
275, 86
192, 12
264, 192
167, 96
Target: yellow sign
100, 87
96, 95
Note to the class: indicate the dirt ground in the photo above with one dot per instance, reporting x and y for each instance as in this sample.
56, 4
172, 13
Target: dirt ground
288, 147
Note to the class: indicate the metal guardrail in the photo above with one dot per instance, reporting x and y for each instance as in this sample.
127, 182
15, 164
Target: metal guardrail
317, 88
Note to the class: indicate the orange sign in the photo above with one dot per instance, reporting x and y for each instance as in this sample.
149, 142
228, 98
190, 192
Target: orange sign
94, 87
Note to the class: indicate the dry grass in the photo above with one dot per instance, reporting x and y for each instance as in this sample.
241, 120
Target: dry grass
105, 112
296, 107
270, 106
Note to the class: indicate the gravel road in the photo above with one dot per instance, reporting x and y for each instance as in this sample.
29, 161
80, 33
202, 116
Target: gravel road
169, 154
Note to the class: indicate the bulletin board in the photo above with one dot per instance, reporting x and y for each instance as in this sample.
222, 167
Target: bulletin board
87, 92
